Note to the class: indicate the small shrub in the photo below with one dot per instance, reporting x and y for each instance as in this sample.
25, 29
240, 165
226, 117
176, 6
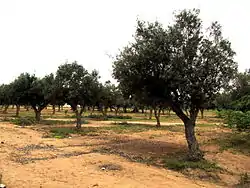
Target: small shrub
24, 121
238, 120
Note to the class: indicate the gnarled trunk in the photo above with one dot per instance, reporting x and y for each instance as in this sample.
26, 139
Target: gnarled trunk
195, 154
17, 110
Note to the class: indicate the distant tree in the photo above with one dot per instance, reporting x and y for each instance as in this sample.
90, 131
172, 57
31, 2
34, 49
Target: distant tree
76, 84
177, 65
40, 94
20, 88
5, 96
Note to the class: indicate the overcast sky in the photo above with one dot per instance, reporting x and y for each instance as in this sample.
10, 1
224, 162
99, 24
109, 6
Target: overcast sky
37, 36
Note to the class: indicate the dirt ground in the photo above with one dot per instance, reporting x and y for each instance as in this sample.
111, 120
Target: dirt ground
29, 160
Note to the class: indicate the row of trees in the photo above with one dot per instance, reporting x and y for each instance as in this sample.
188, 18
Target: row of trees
182, 67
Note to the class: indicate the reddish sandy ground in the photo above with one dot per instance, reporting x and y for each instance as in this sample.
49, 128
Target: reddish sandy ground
29, 160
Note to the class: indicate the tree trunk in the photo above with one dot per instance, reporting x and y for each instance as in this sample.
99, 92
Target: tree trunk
59, 108
142, 110
169, 112
111, 110
195, 154
27, 108
92, 110
150, 113
125, 109
116, 111
202, 113
54, 109
13, 106
5, 109
17, 110
157, 117
38, 115
163, 112
135, 110
78, 119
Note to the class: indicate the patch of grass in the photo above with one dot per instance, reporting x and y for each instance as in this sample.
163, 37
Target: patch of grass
237, 141
64, 132
244, 181
59, 122
180, 164
24, 121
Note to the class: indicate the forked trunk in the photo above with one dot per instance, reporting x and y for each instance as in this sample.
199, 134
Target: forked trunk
54, 109
17, 110
195, 154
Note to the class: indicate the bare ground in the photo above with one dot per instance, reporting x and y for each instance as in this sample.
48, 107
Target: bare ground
28, 160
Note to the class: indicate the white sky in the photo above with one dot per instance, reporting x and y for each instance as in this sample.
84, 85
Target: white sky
37, 36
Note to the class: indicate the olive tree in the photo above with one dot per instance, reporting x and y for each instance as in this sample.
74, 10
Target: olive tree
180, 65
77, 86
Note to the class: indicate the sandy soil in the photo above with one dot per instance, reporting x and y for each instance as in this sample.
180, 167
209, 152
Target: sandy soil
28, 160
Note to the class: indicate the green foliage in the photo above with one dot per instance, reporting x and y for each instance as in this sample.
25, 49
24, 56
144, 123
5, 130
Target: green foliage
181, 164
24, 121
236, 119
236, 141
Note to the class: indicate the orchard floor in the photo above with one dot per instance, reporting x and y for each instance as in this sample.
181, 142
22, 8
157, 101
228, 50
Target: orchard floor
110, 159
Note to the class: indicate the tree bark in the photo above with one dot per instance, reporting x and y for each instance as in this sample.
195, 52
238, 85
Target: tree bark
125, 109
142, 110
54, 109
116, 111
13, 106
38, 115
27, 108
150, 113
17, 110
202, 113
5, 109
157, 117
59, 108
78, 120
194, 154
92, 110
